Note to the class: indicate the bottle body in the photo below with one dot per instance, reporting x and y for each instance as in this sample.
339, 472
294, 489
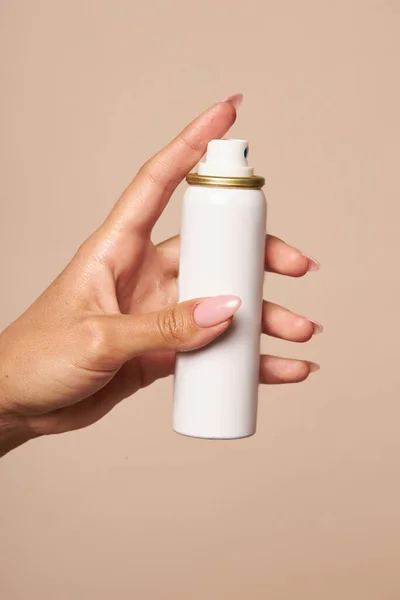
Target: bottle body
222, 252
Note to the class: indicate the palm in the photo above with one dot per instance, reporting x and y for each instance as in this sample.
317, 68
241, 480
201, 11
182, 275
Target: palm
146, 282
133, 277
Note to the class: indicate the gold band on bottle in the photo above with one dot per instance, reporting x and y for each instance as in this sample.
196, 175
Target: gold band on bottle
254, 182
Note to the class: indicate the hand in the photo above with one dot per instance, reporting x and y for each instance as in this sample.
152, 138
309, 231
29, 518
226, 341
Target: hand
109, 324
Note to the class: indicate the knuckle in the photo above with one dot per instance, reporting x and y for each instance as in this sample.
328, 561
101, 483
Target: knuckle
289, 260
172, 327
157, 171
303, 329
98, 342
148, 171
302, 373
192, 145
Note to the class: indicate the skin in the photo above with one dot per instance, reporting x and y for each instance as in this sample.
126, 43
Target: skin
109, 324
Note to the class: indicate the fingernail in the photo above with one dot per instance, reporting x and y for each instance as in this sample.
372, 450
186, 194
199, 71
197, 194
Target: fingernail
317, 327
313, 264
213, 311
236, 100
313, 367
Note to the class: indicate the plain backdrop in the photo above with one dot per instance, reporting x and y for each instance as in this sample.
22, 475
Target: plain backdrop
309, 507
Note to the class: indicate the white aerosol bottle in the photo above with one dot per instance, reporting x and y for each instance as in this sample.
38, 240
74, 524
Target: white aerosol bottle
222, 253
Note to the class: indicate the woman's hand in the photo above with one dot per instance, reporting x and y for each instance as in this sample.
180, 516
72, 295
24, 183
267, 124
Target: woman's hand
109, 324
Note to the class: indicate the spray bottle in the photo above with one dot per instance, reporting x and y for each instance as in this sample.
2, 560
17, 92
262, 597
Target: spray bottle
222, 253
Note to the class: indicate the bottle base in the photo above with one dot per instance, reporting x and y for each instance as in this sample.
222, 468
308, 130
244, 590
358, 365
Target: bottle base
210, 437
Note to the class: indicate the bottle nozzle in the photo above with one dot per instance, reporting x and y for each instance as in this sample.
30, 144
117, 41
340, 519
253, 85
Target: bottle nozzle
226, 158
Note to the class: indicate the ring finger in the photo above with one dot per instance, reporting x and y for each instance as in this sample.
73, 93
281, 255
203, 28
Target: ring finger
281, 323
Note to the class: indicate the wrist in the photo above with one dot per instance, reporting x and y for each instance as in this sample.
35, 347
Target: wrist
13, 432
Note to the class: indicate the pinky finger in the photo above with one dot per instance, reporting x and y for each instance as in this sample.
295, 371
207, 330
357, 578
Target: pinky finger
274, 369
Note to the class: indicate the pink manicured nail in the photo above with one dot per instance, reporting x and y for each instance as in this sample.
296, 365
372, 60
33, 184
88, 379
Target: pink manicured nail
236, 100
313, 264
317, 327
214, 311
313, 367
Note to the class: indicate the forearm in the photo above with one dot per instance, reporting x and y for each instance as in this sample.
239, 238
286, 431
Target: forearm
14, 428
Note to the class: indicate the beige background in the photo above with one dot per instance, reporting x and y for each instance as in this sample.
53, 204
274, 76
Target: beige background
309, 508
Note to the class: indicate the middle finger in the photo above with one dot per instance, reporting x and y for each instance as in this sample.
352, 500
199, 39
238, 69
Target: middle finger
280, 257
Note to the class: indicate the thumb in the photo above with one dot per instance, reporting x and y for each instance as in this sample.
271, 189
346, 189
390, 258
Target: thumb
185, 326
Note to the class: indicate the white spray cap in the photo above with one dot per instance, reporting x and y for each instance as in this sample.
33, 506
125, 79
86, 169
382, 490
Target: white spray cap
226, 158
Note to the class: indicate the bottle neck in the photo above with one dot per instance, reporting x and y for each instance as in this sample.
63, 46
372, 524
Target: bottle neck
254, 182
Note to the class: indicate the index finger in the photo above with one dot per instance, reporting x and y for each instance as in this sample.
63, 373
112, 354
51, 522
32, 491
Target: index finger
146, 197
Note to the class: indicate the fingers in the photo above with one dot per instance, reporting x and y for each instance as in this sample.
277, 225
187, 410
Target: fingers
287, 260
169, 253
185, 326
281, 323
274, 369
280, 257
142, 203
